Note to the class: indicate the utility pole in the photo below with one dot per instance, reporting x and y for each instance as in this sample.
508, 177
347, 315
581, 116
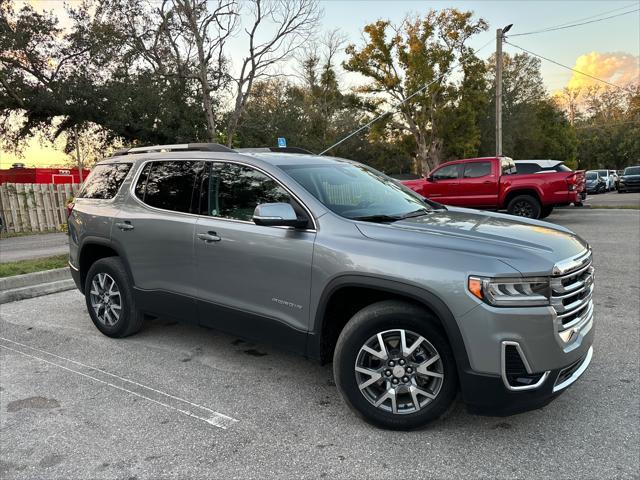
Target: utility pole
499, 38
78, 158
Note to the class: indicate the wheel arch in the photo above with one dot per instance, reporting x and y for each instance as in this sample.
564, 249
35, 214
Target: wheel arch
532, 191
370, 290
93, 249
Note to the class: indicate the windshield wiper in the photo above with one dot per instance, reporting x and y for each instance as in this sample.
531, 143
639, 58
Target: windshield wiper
378, 218
416, 213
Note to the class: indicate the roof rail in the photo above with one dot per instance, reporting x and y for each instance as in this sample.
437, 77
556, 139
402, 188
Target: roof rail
180, 147
274, 149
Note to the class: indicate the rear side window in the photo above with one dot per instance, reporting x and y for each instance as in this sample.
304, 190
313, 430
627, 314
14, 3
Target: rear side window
105, 180
169, 185
477, 169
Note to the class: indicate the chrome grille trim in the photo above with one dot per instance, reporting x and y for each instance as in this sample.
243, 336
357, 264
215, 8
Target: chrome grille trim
573, 282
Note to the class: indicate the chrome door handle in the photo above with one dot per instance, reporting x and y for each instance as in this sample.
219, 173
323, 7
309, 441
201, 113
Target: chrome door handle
209, 237
124, 226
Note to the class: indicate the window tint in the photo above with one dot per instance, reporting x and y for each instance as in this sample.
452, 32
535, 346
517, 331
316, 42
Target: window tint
477, 169
168, 185
105, 180
236, 190
446, 173
508, 166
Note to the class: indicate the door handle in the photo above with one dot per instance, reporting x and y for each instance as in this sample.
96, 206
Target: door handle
486, 182
125, 226
209, 237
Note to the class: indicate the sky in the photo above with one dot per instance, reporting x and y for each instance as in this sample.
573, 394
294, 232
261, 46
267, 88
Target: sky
609, 49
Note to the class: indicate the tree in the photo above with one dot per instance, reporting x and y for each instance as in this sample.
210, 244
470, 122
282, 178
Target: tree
181, 41
533, 125
57, 80
400, 60
295, 22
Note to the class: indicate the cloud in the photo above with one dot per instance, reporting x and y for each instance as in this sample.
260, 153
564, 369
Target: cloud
619, 68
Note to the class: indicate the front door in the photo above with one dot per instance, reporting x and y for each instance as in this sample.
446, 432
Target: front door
443, 184
253, 281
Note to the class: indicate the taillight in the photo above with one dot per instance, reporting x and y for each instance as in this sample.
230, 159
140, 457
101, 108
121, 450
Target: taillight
70, 206
571, 181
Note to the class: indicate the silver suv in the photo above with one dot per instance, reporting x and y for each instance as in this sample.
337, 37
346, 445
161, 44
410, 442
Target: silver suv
413, 301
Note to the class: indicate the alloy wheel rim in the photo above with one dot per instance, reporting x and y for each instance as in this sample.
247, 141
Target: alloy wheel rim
399, 371
106, 300
523, 209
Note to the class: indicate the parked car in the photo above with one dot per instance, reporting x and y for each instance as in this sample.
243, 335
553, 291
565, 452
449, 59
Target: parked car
608, 178
329, 258
492, 183
552, 166
595, 182
630, 179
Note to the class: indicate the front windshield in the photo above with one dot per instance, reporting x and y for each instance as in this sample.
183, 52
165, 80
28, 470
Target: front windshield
632, 171
357, 192
592, 175
603, 173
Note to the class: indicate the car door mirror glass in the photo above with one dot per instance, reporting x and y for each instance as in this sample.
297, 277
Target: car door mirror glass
277, 215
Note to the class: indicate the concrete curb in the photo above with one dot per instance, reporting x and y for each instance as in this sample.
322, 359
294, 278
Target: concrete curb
35, 284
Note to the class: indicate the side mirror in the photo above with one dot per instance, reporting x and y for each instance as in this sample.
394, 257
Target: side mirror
430, 178
277, 215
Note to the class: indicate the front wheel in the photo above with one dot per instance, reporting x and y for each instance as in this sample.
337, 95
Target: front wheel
109, 296
524, 206
394, 366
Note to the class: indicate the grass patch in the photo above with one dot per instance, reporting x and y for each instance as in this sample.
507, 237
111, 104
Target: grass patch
32, 265
617, 207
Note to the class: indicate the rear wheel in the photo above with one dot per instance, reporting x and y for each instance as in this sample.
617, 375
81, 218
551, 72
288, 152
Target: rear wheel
109, 297
394, 367
546, 211
524, 206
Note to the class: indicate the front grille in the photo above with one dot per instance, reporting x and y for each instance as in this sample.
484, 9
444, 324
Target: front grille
571, 293
515, 370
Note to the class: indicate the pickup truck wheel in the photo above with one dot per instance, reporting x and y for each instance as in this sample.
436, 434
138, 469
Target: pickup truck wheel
394, 367
546, 211
524, 206
109, 297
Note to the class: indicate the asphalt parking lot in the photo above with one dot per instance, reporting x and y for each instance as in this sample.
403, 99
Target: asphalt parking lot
614, 200
179, 401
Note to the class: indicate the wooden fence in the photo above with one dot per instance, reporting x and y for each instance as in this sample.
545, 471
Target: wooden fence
35, 207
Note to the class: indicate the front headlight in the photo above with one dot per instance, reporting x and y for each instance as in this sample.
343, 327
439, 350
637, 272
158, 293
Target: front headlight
511, 292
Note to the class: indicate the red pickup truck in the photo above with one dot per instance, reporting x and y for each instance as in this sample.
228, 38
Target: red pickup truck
492, 183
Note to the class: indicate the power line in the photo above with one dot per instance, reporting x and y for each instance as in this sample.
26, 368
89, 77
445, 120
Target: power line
562, 27
631, 5
396, 105
563, 66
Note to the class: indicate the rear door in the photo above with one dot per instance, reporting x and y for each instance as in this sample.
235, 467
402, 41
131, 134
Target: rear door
442, 185
155, 229
479, 184
252, 280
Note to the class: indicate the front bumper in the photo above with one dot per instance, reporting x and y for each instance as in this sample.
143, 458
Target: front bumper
487, 395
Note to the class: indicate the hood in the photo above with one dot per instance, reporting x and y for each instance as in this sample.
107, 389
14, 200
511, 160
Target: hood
630, 177
529, 246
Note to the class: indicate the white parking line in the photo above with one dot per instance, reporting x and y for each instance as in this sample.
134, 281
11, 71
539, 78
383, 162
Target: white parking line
214, 418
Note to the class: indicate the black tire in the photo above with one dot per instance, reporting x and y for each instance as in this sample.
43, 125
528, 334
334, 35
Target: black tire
387, 316
524, 206
546, 211
621, 191
130, 319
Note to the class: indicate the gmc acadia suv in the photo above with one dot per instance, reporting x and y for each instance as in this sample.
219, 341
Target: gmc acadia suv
329, 258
